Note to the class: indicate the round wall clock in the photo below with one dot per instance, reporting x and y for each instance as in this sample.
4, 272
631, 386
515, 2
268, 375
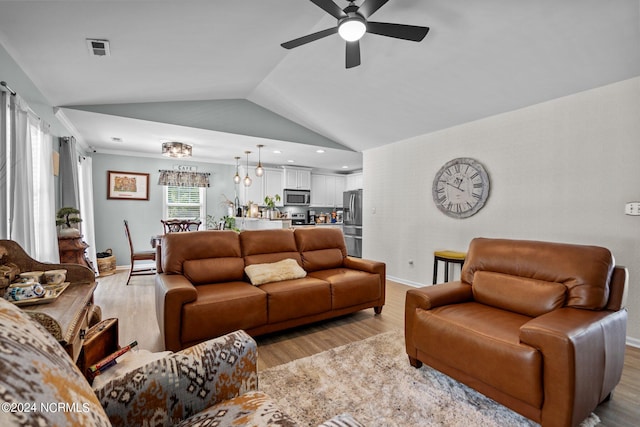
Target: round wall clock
460, 188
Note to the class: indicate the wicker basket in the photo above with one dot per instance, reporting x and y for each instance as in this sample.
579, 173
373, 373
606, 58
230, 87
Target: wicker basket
107, 265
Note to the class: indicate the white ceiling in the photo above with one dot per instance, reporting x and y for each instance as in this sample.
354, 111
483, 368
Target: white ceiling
480, 58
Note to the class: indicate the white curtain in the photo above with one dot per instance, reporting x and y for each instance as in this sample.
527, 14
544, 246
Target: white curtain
32, 196
85, 183
44, 204
21, 180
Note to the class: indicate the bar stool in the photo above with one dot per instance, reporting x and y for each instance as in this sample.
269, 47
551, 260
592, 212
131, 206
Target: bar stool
447, 257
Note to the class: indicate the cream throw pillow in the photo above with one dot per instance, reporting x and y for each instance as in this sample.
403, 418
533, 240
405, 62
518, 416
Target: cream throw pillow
274, 272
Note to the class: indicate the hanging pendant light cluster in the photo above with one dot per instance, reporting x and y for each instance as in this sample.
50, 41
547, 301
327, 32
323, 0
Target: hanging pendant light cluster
259, 168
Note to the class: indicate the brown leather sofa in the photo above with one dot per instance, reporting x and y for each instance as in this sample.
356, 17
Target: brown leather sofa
202, 290
539, 327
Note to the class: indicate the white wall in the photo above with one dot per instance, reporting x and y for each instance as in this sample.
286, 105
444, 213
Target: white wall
144, 215
559, 171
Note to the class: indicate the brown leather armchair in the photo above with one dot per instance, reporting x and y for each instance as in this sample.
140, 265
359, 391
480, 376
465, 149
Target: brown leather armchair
539, 327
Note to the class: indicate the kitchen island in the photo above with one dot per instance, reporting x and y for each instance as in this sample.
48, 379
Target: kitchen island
244, 223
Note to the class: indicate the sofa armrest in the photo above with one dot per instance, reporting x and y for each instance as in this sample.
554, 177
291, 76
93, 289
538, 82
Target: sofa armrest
182, 384
427, 298
369, 266
583, 352
172, 292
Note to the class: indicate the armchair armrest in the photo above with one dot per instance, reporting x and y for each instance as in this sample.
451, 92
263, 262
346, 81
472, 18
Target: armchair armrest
182, 384
172, 292
427, 298
583, 352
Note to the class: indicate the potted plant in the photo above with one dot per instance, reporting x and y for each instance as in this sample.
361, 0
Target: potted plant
67, 219
270, 203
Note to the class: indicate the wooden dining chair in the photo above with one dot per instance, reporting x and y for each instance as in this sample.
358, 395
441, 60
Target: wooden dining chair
179, 225
139, 256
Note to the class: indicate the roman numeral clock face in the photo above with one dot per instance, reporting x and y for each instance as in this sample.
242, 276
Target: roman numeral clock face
460, 188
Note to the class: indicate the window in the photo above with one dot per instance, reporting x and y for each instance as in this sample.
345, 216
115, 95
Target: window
184, 202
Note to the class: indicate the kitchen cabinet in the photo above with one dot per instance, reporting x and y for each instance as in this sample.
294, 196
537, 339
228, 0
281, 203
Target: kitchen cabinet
269, 184
297, 178
354, 181
273, 184
327, 189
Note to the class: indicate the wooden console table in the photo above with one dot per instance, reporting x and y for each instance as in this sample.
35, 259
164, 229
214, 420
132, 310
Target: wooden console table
68, 317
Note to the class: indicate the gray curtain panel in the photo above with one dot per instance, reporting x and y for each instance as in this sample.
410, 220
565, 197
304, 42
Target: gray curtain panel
69, 188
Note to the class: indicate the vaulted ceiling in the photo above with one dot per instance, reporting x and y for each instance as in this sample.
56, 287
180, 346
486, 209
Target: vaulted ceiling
213, 73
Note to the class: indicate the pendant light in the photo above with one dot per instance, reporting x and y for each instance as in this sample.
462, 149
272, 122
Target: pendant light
247, 180
259, 168
236, 177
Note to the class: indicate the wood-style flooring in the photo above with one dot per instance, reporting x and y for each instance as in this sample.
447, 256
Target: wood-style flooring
134, 306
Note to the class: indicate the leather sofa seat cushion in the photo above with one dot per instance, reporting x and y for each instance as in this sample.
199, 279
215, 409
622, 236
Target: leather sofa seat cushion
213, 270
584, 270
350, 287
291, 299
485, 341
180, 247
221, 308
321, 248
522, 295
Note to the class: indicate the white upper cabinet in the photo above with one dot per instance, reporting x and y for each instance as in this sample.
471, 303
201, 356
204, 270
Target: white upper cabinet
269, 184
354, 181
273, 184
297, 178
326, 190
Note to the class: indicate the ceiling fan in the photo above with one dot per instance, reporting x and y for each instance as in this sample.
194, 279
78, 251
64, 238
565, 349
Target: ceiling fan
353, 23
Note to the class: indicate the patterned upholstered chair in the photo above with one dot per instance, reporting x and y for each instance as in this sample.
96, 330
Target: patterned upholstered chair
213, 383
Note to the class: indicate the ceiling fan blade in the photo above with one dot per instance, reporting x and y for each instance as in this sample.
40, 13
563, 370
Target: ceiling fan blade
369, 7
309, 38
353, 54
399, 31
331, 8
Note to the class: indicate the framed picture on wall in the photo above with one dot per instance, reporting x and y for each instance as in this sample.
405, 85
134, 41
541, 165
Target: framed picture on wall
127, 185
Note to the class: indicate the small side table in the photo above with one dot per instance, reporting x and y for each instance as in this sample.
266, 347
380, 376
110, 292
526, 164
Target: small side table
447, 257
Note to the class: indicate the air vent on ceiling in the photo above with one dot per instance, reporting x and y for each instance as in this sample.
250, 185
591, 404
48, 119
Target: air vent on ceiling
98, 47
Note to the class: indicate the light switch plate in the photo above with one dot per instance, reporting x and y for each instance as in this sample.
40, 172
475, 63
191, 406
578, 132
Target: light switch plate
632, 208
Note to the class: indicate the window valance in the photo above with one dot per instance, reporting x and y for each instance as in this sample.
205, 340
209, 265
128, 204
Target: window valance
183, 179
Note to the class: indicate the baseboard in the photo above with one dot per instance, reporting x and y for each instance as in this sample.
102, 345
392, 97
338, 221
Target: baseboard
631, 342
406, 282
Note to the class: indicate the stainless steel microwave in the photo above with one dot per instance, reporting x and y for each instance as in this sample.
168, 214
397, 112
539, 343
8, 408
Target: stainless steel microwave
297, 197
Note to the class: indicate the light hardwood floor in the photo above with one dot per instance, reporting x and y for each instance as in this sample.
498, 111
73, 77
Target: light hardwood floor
134, 306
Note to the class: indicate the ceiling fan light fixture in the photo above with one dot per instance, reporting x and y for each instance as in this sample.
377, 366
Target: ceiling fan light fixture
352, 28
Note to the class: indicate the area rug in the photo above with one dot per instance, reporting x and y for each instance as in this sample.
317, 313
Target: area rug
373, 381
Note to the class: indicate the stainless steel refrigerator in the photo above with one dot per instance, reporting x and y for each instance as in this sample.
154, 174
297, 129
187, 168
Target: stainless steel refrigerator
352, 222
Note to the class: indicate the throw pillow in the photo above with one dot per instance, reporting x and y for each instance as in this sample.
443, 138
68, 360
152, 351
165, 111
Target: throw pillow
286, 269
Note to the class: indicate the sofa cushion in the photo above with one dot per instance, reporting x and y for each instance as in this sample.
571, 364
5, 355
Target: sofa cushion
266, 246
522, 295
350, 287
286, 269
296, 298
222, 308
584, 270
180, 247
212, 270
321, 248
484, 342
